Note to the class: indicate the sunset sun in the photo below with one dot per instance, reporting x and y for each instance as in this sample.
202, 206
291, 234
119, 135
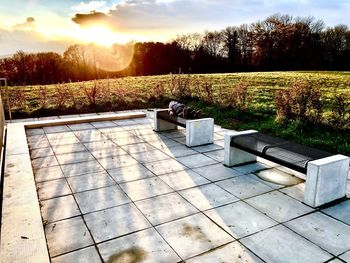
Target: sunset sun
100, 35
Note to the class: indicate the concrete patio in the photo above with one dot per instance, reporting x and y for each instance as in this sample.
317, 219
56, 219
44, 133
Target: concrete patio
116, 191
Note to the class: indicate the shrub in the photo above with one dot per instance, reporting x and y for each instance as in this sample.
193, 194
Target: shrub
340, 116
92, 94
61, 95
17, 98
300, 102
43, 97
180, 86
239, 97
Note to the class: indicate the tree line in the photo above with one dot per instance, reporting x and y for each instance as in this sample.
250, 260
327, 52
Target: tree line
279, 42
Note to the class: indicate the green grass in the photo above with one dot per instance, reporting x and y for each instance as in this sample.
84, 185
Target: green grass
155, 91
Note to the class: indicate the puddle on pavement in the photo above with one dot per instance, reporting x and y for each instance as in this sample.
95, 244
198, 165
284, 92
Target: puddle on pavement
278, 177
131, 255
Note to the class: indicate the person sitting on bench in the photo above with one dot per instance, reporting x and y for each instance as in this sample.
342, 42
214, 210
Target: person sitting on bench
181, 110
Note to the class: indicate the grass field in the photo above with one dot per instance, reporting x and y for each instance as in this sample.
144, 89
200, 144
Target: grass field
205, 91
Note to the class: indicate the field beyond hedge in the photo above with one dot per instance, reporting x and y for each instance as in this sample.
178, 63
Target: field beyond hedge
210, 92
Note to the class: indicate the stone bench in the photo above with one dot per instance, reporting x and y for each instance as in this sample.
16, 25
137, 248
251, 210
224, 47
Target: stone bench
326, 174
198, 131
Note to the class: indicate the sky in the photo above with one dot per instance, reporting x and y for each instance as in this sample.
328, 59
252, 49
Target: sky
53, 25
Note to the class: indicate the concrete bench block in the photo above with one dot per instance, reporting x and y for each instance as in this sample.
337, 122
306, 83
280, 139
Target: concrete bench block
326, 180
162, 125
234, 156
199, 132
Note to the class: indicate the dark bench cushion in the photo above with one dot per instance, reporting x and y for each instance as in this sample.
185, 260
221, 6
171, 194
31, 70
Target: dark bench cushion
286, 153
164, 115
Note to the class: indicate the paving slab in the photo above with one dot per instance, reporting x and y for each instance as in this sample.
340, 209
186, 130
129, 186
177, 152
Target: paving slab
216, 172
76, 157
174, 134
124, 122
145, 188
326, 232
84, 255
196, 160
51, 189
181, 140
62, 138
38, 143
59, 208
345, 256
251, 168
90, 135
81, 168
150, 156
244, 186
108, 152
44, 162
117, 161
207, 196
164, 144
152, 137
68, 148
137, 148
278, 177
106, 144
146, 246
130, 173
67, 235
41, 152
111, 129
295, 191
165, 208
183, 179
233, 252
264, 181
102, 198
207, 148
115, 222
279, 206
56, 129
240, 219
47, 174
32, 132
193, 235
90, 181
103, 124
126, 140
216, 155
279, 244
178, 151
165, 167
80, 126
340, 211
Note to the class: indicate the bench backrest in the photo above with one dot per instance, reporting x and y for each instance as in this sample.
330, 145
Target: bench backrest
286, 153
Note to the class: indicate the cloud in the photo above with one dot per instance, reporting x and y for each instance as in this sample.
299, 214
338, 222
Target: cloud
28, 25
90, 6
198, 15
24, 36
91, 18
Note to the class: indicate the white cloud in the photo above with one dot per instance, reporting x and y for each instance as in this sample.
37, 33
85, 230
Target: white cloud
90, 6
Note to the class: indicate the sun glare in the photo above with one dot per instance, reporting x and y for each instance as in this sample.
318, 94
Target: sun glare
100, 36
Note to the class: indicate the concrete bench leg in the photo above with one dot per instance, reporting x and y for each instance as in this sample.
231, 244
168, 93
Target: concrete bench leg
161, 125
199, 132
326, 180
234, 156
